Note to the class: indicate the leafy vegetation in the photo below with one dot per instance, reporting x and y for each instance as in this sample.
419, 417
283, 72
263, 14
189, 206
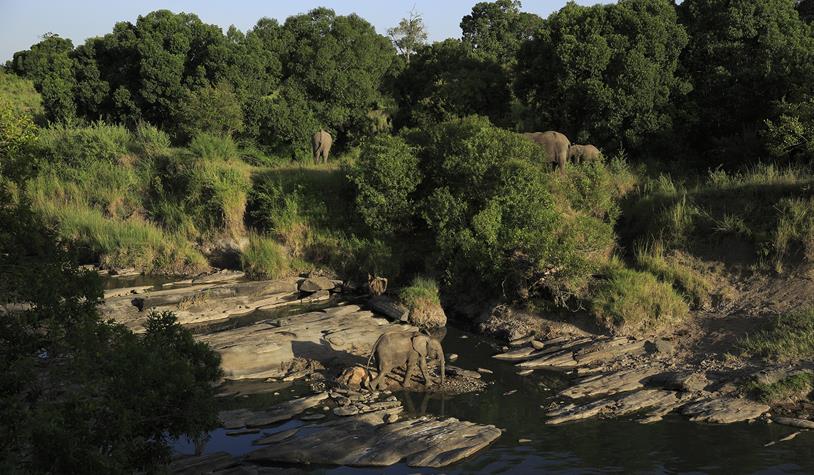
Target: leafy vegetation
78, 393
421, 289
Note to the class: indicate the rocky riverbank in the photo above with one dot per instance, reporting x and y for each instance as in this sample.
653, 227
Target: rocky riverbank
269, 332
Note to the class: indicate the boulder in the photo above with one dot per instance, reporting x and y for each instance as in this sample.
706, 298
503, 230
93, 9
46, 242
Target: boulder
679, 381
389, 308
426, 314
355, 376
315, 284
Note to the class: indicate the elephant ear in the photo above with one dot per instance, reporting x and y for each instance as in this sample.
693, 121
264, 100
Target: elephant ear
420, 345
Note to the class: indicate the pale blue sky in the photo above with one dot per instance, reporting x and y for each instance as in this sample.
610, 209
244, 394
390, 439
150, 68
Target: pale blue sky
23, 22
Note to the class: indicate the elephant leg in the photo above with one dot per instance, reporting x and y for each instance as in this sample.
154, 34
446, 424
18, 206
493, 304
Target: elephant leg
383, 370
422, 363
408, 373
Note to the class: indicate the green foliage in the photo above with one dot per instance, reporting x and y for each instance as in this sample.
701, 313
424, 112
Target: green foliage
791, 135
633, 302
49, 65
519, 234
19, 96
420, 290
78, 146
385, 175
497, 29
743, 56
449, 79
212, 110
18, 137
113, 399
213, 147
789, 338
149, 141
606, 74
790, 389
264, 258
409, 35
285, 120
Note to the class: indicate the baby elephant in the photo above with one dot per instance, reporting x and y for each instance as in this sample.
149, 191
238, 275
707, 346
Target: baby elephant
584, 153
397, 349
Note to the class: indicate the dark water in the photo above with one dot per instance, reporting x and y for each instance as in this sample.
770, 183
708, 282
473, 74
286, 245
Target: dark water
137, 280
674, 445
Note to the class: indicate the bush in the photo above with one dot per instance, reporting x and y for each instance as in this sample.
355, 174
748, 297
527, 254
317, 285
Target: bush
789, 338
19, 96
149, 141
212, 110
213, 147
18, 137
385, 176
81, 145
263, 258
632, 302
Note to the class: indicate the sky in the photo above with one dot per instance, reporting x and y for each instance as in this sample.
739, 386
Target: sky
23, 22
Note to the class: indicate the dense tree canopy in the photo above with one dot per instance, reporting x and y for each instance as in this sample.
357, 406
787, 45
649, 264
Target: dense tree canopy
497, 29
742, 56
607, 73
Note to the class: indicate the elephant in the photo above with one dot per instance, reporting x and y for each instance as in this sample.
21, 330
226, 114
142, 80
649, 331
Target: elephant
395, 349
555, 144
584, 153
321, 146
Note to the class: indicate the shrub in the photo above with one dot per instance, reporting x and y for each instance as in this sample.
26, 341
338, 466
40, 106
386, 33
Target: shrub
790, 337
213, 147
19, 96
18, 137
212, 110
632, 302
149, 141
81, 145
385, 176
263, 258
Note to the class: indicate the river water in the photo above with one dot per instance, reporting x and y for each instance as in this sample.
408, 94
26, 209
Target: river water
674, 445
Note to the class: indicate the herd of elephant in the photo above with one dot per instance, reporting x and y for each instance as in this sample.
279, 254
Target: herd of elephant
558, 148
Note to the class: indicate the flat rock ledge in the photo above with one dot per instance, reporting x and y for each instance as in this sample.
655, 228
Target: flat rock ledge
624, 376
367, 440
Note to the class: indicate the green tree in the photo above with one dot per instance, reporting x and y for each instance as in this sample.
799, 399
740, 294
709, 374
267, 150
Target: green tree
742, 56
78, 394
49, 65
497, 29
605, 74
211, 109
386, 175
447, 80
409, 35
339, 63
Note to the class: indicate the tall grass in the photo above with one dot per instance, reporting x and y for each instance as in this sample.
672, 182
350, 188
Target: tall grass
651, 258
789, 338
19, 94
264, 258
78, 146
213, 147
421, 290
633, 302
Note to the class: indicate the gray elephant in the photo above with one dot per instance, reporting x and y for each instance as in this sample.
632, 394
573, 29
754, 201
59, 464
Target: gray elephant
396, 349
555, 144
321, 146
584, 153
